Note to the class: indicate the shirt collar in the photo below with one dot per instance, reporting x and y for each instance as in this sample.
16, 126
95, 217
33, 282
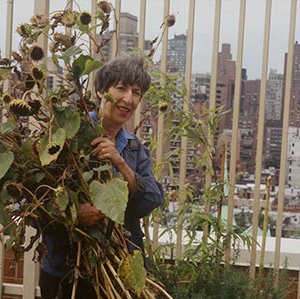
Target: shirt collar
122, 139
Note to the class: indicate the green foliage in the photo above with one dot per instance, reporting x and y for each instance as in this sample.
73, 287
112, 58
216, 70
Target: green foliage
6, 159
110, 198
133, 271
212, 280
202, 272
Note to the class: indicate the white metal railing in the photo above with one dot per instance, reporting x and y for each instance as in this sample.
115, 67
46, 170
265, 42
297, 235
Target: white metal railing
29, 288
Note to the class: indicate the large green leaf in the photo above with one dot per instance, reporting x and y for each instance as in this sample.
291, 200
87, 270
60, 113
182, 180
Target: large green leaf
78, 65
86, 134
6, 159
110, 198
50, 148
69, 120
72, 51
27, 149
133, 272
8, 126
91, 65
84, 65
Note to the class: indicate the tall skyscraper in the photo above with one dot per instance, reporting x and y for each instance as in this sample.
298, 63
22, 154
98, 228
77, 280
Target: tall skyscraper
128, 36
273, 112
274, 97
176, 54
294, 117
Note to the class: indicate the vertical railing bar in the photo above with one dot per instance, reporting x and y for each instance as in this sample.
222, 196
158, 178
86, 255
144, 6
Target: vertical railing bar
9, 28
92, 45
141, 42
160, 125
29, 278
184, 140
286, 109
214, 68
235, 122
8, 50
8, 42
116, 35
260, 134
212, 95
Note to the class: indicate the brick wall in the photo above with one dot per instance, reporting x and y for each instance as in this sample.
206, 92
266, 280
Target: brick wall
12, 274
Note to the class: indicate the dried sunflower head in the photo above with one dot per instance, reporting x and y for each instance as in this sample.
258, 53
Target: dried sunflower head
104, 6
13, 190
20, 108
54, 99
36, 53
39, 21
6, 98
68, 18
37, 74
29, 82
24, 30
53, 149
170, 20
63, 39
35, 106
85, 18
163, 106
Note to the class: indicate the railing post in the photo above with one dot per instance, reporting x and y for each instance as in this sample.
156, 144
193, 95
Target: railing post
141, 43
212, 98
8, 50
285, 125
30, 275
235, 122
116, 35
260, 134
160, 125
184, 140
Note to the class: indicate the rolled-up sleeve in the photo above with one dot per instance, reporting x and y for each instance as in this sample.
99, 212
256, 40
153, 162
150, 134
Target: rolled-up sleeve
149, 193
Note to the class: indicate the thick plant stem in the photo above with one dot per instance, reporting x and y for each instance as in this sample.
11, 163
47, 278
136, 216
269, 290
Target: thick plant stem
158, 287
119, 281
108, 283
76, 273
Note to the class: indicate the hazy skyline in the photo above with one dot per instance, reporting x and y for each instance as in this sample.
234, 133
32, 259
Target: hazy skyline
203, 32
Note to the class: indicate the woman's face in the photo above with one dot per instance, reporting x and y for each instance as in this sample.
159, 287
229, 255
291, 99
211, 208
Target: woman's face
125, 100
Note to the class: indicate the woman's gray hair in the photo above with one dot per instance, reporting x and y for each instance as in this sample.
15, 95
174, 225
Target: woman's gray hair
127, 69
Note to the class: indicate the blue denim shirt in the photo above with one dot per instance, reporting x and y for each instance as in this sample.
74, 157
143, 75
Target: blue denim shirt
148, 196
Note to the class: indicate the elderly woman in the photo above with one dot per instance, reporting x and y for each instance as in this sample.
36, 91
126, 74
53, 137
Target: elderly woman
126, 80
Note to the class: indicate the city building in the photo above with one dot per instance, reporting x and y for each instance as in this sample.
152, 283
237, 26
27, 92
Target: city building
293, 157
128, 36
176, 54
294, 115
274, 98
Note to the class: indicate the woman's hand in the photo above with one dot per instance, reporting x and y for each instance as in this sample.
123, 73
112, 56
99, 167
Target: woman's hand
89, 215
105, 150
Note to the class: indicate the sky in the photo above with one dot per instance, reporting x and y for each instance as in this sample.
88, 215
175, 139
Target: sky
203, 32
